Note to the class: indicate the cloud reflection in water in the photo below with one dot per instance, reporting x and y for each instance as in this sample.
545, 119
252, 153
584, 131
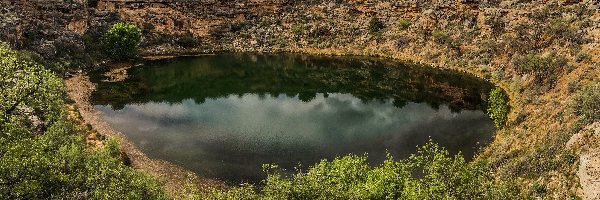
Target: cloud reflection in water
230, 138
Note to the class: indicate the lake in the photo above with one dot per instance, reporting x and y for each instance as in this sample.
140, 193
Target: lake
223, 116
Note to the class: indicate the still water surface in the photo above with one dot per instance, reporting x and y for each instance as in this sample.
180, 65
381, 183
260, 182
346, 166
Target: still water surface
223, 116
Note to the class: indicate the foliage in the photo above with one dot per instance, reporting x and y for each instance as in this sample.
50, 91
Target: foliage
545, 69
496, 24
559, 28
497, 107
121, 40
42, 152
31, 96
441, 37
587, 103
431, 173
187, 40
404, 24
56, 163
539, 188
375, 25
298, 29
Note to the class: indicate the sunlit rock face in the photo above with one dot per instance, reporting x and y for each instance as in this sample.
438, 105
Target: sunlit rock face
224, 116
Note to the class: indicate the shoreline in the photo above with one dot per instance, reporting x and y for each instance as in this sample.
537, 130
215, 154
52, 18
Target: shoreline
174, 177
79, 88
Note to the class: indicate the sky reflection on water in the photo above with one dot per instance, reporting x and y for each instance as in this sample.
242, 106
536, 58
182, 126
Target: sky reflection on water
231, 137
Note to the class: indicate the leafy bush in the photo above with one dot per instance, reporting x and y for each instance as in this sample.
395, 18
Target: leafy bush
375, 25
441, 37
187, 40
298, 29
31, 95
43, 154
587, 103
545, 69
320, 31
539, 188
57, 164
404, 24
497, 107
496, 24
431, 173
563, 31
121, 40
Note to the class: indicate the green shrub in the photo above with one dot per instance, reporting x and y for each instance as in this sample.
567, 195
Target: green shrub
587, 103
298, 29
563, 31
431, 173
497, 107
121, 40
441, 37
57, 164
404, 24
375, 25
43, 155
187, 40
539, 188
25, 85
545, 69
581, 56
496, 24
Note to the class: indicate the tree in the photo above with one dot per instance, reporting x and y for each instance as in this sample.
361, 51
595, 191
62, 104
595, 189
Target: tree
31, 95
122, 40
42, 153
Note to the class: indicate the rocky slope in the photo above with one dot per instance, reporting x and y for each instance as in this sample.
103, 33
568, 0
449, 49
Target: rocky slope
540, 51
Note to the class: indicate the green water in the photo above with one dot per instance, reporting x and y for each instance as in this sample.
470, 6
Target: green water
223, 116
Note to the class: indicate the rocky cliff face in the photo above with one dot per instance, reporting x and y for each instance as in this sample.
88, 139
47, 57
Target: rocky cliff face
267, 25
56, 29
494, 39
410, 27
